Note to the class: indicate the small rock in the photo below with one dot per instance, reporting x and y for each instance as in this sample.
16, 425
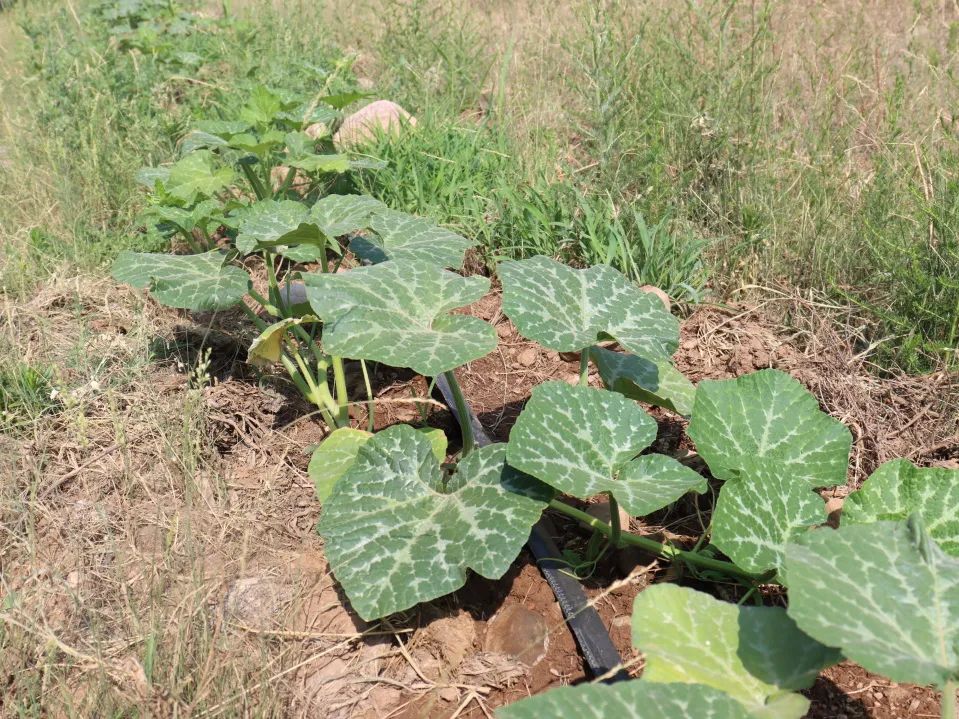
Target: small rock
572, 378
300, 182
256, 602
527, 358
449, 694
834, 510
664, 298
503, 330
363, 124
518, 632
600, 510
569, 356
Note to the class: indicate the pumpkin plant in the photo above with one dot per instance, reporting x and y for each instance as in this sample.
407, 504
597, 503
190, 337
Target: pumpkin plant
401, 528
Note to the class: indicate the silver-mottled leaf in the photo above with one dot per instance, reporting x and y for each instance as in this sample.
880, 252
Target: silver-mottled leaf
884, 593
583, 441
760, 511
899, 488
655, 382
271, 224
628, 700
397, 533
756, 655
339, 215
768, 414
566, 309
193, 282
337, 453
398, 313
400, 236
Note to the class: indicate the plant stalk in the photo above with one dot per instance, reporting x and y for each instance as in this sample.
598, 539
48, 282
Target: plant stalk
371, 419
342, 399
466, 429
663, 550
949, 700
584, 369
616, 531
254, 181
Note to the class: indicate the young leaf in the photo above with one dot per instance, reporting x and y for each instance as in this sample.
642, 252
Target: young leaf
655, 382
266, 349
193, 177
337, 453
883, 592
278, 224
582, 441
193, 282
628, 700
398, 313
199, 140
899, 488
186, 220
567, 310
406, 237
760, 511
768, 414
397, 533
756, 655
322, 163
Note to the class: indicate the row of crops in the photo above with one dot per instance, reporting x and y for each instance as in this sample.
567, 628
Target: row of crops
259, 214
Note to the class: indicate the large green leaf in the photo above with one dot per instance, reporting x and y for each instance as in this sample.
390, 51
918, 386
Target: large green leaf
339, 215
760, 511
398, 313
194, 177
337, 453
400, 236
899, 488
655, 382
397, 532
768, 414
756, 655
193, 282
628, 700
583, 441
567, 310
885, 593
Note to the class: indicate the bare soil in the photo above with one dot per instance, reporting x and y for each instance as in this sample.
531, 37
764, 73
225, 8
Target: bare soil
181, 511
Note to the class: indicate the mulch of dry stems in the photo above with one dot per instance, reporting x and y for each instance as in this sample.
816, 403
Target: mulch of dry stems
153, 511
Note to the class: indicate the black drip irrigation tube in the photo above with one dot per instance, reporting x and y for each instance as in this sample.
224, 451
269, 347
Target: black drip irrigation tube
593, 639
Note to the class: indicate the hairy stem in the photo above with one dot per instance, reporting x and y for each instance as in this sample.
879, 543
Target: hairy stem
650, 545
466, 429
616, 531
369, 397
949, 700
342, 399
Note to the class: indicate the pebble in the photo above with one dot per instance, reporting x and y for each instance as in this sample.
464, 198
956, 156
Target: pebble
527, 358
600, 510
518, 632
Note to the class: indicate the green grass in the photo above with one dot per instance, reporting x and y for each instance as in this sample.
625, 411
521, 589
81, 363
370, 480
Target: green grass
468, 176
815, 150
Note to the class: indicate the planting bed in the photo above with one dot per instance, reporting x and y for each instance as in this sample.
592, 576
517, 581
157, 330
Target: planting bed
279, 587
